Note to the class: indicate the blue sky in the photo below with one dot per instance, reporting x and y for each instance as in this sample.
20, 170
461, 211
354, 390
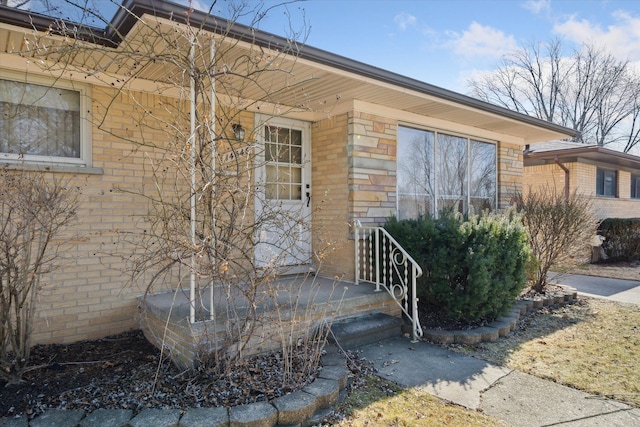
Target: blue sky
444, 42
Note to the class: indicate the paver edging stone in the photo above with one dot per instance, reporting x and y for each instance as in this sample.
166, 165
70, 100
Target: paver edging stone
107, 418
320, 395
503, 326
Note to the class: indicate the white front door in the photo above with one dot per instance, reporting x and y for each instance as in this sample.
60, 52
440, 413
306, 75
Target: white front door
283, 197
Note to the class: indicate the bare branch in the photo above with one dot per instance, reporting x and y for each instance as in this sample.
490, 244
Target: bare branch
589, 90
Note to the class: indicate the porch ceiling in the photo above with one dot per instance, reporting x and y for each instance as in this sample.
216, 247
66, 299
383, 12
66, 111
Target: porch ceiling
316, 81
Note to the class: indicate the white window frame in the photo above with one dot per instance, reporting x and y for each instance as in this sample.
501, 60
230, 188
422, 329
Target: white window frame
84, 90
469, 140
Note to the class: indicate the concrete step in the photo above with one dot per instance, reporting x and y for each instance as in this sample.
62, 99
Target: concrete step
357, 331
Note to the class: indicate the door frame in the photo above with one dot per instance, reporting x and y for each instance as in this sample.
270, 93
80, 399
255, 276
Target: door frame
262, 120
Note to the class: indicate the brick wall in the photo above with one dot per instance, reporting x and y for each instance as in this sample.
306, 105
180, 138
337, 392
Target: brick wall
183, 341
91, 296
332, 249
510, 166
582, 178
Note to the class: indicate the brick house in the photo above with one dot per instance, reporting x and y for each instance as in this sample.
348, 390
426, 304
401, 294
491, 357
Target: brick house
610, 178
377, 144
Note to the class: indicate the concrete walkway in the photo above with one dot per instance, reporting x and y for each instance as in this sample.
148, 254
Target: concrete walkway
600, 287
517, 398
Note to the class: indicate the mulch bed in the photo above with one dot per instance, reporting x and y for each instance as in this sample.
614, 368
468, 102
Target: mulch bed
126, 372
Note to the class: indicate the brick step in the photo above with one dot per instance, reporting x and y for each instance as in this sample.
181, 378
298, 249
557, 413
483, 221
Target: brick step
357, 331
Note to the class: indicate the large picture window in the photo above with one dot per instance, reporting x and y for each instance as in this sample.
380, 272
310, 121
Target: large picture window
606, 182
439, 171
40, 123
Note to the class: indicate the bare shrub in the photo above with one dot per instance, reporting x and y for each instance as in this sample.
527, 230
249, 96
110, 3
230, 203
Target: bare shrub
559, 228
34, 209
210, 193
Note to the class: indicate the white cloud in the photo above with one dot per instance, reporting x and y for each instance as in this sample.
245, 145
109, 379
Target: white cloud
537, 6
622, 38
480, 40
404, 20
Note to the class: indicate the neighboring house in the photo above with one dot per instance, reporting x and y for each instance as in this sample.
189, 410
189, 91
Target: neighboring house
388, 146
610, 178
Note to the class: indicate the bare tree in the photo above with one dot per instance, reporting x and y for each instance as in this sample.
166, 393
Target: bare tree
33, 213
590, 91
203, 177
559, 228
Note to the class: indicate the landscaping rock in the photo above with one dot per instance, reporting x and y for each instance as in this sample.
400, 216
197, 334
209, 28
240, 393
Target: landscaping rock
488, 334
336, 373
503, 327
439, 336
107, 418
467, 337
294, 408
259, 414
205, 417
14, 422
156, 418
325, 391
58, 418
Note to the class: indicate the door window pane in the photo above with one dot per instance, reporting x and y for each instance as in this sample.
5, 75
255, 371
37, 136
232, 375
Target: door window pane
283, 155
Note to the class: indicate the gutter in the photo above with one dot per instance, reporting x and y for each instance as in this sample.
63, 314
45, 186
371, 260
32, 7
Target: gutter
127, 15
131, 10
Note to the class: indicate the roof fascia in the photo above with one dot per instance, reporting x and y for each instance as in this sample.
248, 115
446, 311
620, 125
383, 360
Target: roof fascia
132, 10
125, 19
600, 153
39, 22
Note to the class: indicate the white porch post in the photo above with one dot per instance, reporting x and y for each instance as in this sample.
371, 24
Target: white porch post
212, 133
192, 198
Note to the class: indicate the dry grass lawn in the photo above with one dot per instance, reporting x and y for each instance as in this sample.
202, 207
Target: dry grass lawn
382, 403
593, 345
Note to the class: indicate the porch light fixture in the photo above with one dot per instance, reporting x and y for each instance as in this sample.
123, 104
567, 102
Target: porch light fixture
238, 131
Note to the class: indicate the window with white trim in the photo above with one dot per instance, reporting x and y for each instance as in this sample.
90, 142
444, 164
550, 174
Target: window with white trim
42, 123
438, 171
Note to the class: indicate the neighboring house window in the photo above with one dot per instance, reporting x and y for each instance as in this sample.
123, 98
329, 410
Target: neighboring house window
439, 171
41, 123
606, 183
635, 186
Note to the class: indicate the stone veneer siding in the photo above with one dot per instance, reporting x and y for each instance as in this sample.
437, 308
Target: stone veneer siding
372, 168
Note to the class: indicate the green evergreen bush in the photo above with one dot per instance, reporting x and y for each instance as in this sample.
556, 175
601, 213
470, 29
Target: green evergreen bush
622, 239
472, 269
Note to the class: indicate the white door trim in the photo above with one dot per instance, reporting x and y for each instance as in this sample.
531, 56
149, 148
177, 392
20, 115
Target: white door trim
285, 238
